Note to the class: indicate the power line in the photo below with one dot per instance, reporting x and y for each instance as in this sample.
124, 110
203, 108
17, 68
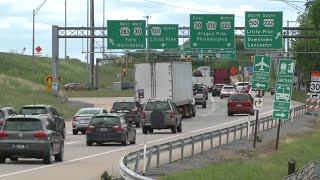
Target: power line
197, 10
293, 6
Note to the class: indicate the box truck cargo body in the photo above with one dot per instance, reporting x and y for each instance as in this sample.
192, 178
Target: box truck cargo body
165, 80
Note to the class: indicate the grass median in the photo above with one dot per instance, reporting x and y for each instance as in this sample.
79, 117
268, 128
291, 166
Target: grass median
264, 165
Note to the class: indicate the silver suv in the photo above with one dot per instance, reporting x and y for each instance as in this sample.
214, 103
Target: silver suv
5, 113
160, 114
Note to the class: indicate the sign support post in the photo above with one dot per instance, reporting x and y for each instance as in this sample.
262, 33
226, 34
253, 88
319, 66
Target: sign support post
278, 134
256, 126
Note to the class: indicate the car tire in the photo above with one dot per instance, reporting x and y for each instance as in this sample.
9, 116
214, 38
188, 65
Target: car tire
83, 132
179, 128
204, 105
137, 123
2, 160
47, 159
150, 130
134, 139
144, 130
207, 97
89, 143
125, 142
174, 129
252, 113
64, 133
14, 159
230, 114
221, 97
272, 94
59, 157
194, 112
75, 132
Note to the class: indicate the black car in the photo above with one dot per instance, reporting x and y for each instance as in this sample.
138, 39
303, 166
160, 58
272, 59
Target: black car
30, 136
5, 113
216, 90
272, 90
131, 110
110, 127
48, 110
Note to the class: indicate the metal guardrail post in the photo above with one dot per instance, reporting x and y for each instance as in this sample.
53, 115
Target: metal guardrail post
182, 148
235, 133
241, 131
170, 152
248, 127
158, 156
136, 166
253, 125
211, 140
192, 146
263, 121
227, 135
202, 142
268, 123
219, 137
149, 157
291, 166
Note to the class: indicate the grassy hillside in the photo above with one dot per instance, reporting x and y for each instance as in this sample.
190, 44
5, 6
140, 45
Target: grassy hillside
19, 86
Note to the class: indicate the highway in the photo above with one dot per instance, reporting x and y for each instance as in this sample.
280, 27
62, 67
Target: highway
88, 163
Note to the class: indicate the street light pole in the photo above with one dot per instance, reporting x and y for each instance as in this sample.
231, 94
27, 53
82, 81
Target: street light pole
147, 51
34, 12
65, 25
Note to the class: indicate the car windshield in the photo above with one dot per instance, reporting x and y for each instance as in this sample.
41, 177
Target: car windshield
239, 97
22, 124
158, 105
242, 84
228, 87
33, 110
106, 120
198, 91
88, 111
1, 114
218, 86
123, 105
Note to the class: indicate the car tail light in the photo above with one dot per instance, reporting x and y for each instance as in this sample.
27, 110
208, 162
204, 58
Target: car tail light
90, 128
75, 118
134, 109
143, 115
40, 134
1, 123
118, 128
171, 114
223, 90
214, 89
3, 134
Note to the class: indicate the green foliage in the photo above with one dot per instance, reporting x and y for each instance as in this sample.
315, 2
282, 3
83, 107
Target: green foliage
105, 176
315, 13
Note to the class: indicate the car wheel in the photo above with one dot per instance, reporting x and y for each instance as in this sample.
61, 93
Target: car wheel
59, 157
124, 143
89, 143
137, 124
13, 159
64, 133
179, 128
144, 130
272, 94
174, 129
2, 160
230, 113
252, 113
48, 157
150, 130
194, 112
75, 132
204, 105
83, 132
221, 97
134, 139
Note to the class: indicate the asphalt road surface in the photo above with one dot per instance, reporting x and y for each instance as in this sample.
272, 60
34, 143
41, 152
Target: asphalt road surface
88, 163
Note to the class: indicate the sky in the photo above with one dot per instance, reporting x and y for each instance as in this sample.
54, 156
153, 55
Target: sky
16, 17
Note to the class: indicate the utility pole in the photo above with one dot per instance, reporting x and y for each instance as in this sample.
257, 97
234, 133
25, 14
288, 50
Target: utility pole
147, 51
65, 25
92, 44
87, 56
288, 39
103, 19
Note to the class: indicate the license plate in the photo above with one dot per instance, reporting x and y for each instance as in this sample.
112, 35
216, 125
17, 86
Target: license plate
20, 146
239, 105
84, 121
104, 129
148, 123
228, 91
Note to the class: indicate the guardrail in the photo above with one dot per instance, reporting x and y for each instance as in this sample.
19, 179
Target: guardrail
215, 138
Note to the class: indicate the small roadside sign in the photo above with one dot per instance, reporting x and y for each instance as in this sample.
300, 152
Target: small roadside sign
261, 72
258, 103
49, 79
38, 49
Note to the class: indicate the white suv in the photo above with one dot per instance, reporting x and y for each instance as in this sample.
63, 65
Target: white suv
240, 85
227, 90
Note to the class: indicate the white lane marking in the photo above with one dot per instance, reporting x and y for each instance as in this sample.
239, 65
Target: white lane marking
213, 110
203, 115
69, 132
209, 113
212, 100
71, 143
195, 118
108, 152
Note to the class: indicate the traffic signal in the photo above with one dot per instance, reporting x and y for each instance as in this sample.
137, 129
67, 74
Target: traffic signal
124, 72
130, 59
252, 59
207, 59
188, 58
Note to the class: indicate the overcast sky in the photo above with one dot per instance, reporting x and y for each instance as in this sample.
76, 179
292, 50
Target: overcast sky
16, 17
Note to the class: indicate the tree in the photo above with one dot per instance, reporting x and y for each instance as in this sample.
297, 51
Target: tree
315, 13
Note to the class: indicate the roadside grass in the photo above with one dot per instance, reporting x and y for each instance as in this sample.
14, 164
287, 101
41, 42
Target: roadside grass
299, 96
274, 165
99, 93
16, 92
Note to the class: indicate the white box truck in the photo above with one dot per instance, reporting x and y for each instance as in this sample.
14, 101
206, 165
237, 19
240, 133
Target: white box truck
166, 80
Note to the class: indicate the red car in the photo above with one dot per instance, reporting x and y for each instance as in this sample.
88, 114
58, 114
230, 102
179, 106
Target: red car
240, 103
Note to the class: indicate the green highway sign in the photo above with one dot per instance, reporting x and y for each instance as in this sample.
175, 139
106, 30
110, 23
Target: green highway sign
263, 30
261, 72
285, 80
126, 34
260, 84
185, 51
283, 93
212, 31
280, 114
216, 53
163, 36
281, 106
286, 67
228, 54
